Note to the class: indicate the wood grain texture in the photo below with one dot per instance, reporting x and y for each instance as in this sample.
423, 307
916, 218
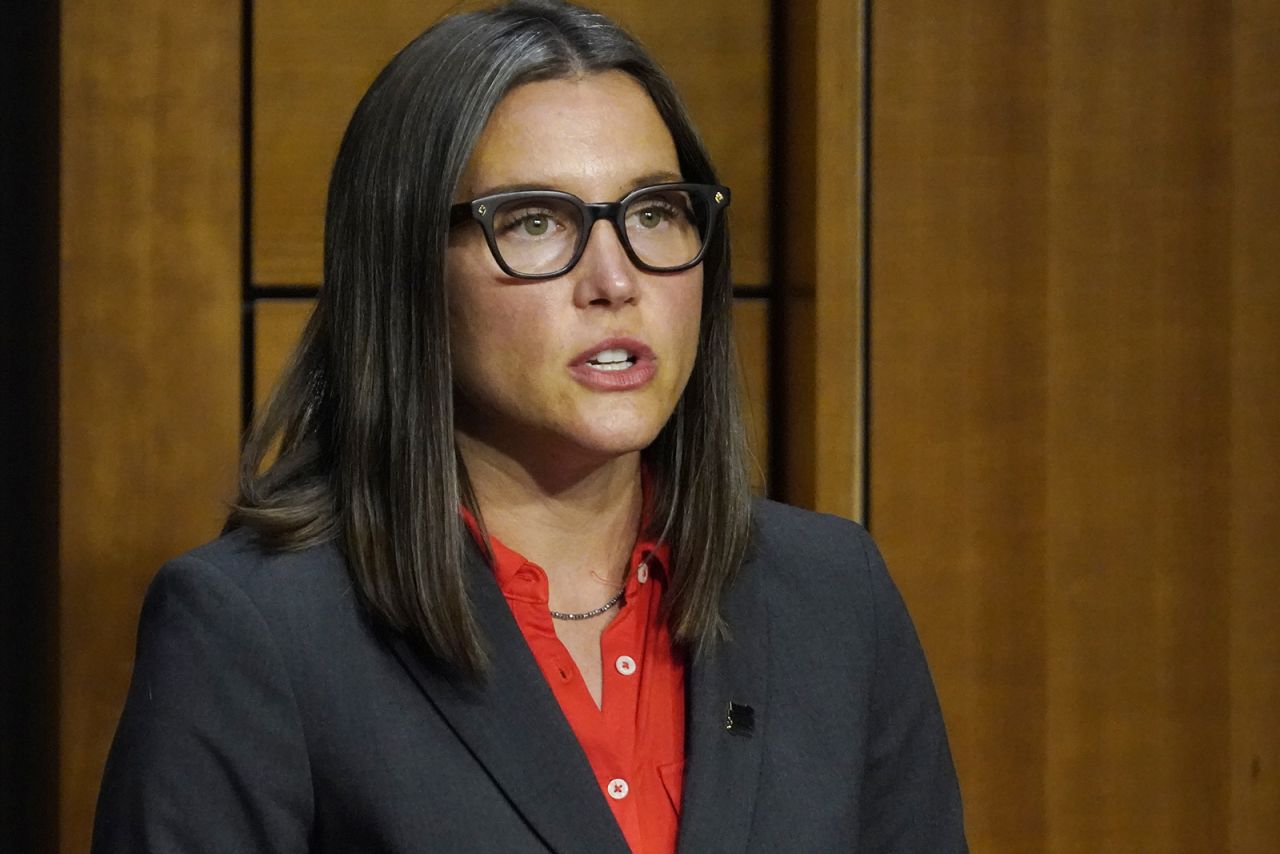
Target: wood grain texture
1074, 339
1254, 526
277, 326
1139, 336
820, 255
312, 62
150, 282
957, 380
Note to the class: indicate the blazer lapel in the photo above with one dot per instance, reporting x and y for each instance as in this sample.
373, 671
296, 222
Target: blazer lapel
725, 725
513, 725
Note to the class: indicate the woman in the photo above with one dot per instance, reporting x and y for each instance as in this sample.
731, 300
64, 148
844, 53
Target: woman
503, 588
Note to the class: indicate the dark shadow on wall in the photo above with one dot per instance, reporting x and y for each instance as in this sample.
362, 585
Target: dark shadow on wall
28, 425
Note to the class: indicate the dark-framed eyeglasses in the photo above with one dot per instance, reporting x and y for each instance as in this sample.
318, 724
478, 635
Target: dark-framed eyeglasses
541, 234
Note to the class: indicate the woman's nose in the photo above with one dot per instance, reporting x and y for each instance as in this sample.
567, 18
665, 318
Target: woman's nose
605, 273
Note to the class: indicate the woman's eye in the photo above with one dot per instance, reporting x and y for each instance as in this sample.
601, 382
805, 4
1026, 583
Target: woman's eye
651, 218
535, 226
526, 223
655, 214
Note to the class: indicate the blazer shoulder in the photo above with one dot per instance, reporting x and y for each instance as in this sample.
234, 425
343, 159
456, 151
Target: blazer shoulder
275, 581
835, 611
816, 569
794, 536
212, 703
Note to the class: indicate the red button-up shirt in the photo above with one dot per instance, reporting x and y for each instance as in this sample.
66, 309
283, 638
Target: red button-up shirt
635, 739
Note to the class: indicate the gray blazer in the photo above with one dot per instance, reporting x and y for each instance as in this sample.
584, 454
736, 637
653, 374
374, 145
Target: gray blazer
268, 713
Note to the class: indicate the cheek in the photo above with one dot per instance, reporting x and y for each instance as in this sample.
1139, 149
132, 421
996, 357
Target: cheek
484, 340
471, 322
687, 317
498, 333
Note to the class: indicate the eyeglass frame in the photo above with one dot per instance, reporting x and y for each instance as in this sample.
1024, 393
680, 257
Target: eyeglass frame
484, 208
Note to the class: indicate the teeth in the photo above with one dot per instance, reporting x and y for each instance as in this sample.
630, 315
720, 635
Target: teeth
611, 360
605, 357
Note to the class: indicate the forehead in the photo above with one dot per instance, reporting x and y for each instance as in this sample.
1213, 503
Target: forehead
594, 136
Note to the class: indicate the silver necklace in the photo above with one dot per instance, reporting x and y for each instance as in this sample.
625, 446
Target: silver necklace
587, 615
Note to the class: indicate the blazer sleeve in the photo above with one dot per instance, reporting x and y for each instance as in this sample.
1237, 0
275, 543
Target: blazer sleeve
911, 796
209, 754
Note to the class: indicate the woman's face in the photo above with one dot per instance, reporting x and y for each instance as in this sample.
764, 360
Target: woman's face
525, 363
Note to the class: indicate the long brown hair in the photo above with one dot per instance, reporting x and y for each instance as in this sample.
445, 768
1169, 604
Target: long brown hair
362, 421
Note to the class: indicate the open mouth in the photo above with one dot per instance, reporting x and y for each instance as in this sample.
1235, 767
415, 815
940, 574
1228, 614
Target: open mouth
611, 360
620, 363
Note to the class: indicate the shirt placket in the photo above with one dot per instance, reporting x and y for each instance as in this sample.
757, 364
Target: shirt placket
623, 656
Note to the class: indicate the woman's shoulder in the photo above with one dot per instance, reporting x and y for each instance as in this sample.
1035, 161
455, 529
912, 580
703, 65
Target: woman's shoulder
840, 638
795, 535
239, 565
817, 568
234, 601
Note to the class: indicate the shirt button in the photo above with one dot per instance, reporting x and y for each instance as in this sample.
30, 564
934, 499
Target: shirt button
618, 788
626, 665
642, 573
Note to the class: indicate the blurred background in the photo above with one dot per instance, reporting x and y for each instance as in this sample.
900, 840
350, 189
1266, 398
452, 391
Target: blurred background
1007, 292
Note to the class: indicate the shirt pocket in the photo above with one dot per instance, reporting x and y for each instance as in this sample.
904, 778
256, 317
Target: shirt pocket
673, 781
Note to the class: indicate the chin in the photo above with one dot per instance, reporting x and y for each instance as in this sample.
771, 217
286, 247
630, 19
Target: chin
615, 440
614, 445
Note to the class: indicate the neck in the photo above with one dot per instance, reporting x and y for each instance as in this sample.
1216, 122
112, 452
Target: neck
577, 519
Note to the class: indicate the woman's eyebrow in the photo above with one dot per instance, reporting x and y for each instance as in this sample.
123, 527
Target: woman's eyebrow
513, 188
642, 181
510, 188
656, 178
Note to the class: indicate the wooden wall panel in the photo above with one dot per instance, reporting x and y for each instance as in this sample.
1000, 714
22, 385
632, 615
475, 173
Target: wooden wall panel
312, 61
957, 379
819, 169
1137, 461
279, 322
1254, 525
150, 336
1074, 343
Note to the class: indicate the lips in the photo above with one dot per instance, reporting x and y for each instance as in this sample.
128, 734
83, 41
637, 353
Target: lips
615, 364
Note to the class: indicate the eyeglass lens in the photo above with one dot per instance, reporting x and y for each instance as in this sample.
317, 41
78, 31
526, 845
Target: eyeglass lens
536, 236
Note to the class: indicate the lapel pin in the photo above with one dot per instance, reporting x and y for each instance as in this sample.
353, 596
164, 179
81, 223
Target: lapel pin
740, 719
